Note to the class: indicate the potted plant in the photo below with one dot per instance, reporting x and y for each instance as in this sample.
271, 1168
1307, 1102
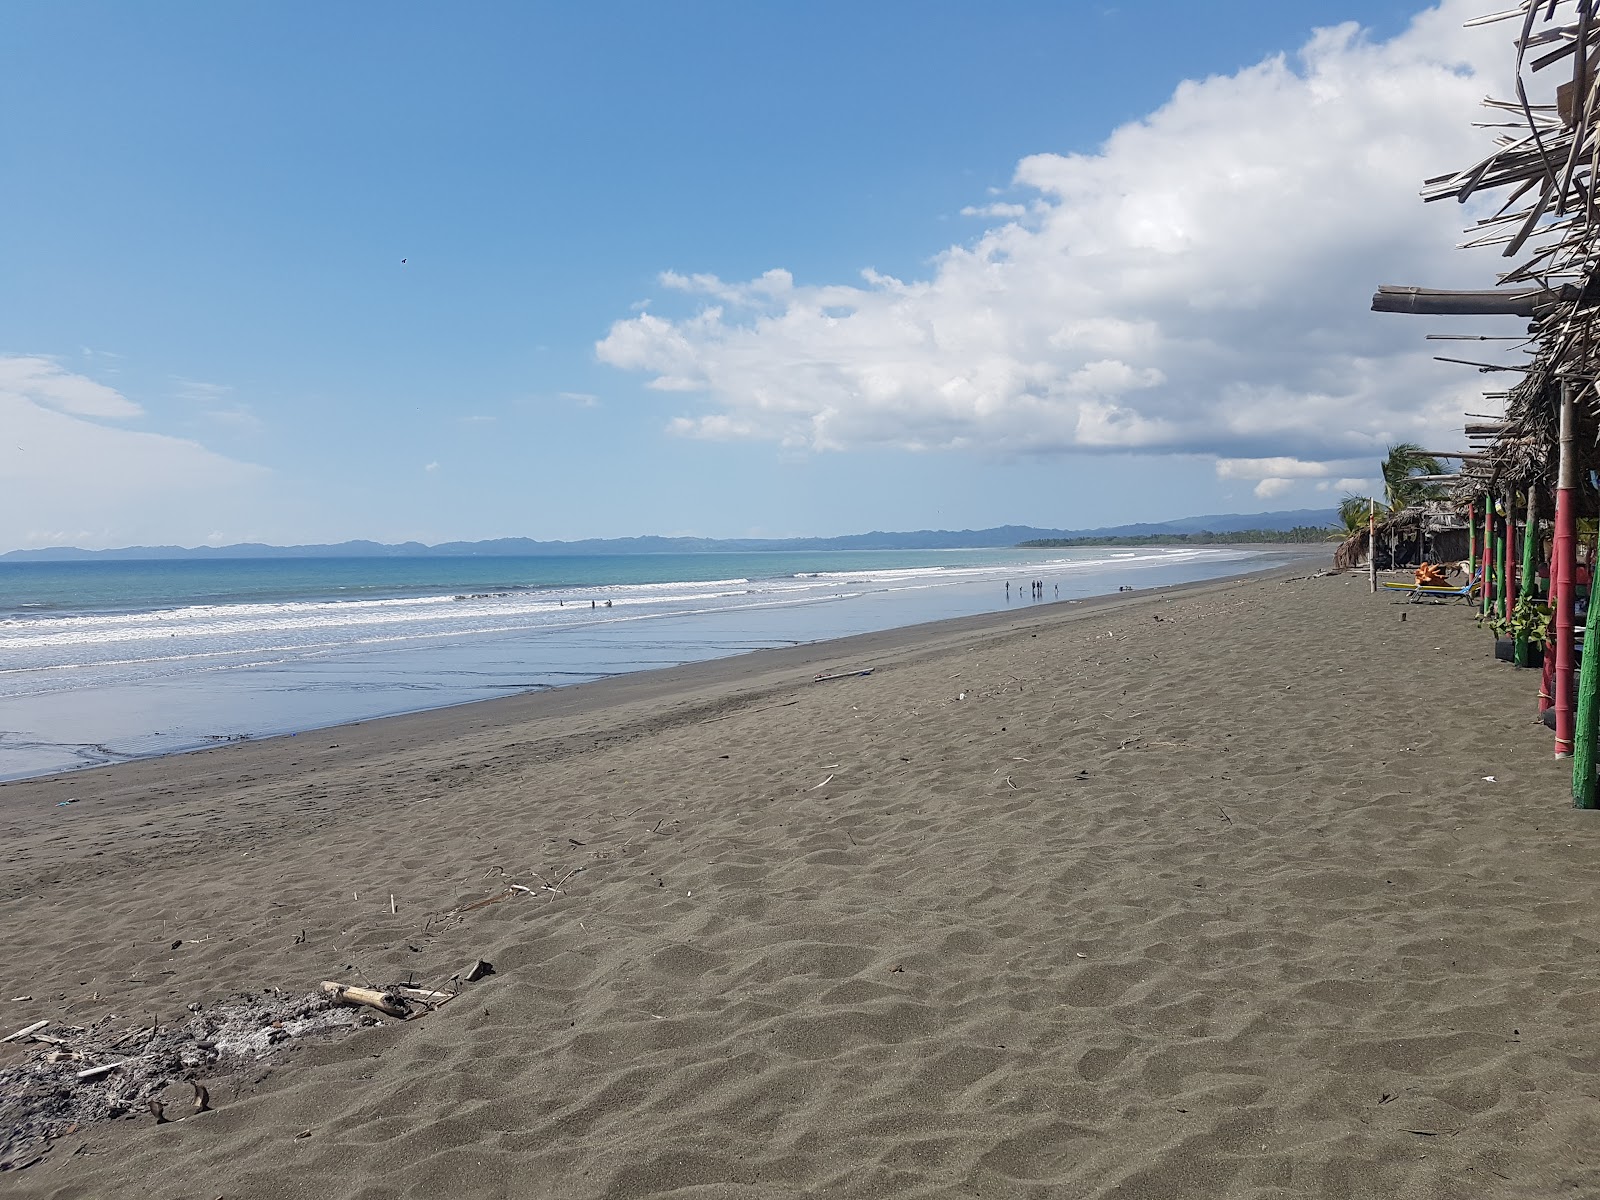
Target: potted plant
1520, 637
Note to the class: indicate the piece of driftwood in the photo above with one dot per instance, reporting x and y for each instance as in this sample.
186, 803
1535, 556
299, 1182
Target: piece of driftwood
843, 675
495, 899
478, 970
385, 1002
202, 1098
96, 1072
425, 995
28, 1032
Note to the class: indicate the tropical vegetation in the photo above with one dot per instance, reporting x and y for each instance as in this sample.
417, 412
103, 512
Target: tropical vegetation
1300, 533
1402, 488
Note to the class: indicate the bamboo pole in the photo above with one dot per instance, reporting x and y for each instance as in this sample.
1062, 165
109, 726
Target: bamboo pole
1472, 540
1547, 676
1496, 608
1525, 592
1508, 585
1486, 594
1588, 715
1565, 573
1372, 543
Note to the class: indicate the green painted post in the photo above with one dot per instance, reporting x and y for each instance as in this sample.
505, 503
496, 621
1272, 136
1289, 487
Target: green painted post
1500, 568
1584, 727
1530, 535
1488, 555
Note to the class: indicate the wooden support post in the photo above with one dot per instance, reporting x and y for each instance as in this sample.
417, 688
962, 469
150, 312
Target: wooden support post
1487, 594
1565, 573
1530, 540
1547, 674
1372, 543
1496, 606
1588, 714
1472, 539
1508, 585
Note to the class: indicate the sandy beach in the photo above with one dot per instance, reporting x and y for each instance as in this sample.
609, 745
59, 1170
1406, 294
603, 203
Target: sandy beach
1250, 889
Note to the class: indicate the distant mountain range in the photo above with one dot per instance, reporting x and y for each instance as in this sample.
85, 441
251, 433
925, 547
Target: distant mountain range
921, 539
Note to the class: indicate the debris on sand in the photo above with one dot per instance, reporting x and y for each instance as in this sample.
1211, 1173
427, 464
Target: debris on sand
73, 1076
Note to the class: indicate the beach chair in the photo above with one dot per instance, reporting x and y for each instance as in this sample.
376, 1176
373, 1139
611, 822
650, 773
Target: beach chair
1421, 594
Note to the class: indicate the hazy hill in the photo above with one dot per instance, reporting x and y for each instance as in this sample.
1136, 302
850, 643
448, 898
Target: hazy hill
921, 539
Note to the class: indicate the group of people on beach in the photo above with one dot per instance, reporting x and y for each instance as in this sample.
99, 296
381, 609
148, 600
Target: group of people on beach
1036, 586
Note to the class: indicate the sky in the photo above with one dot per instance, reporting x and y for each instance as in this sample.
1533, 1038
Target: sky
403, 271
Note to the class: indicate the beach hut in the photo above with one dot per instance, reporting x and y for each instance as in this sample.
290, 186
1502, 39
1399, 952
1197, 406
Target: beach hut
1543, 171
1434, 531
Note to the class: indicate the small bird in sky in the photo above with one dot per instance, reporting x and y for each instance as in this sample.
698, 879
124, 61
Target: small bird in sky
402, 262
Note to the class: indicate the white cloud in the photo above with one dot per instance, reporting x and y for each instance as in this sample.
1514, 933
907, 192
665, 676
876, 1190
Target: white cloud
999, 209
1355, 484
75, 480
1200, 284
430, 468
46, 383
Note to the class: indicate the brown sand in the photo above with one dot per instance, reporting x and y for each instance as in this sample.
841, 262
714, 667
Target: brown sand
1203, 896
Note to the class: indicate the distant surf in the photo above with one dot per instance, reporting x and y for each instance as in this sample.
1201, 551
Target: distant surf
106, 660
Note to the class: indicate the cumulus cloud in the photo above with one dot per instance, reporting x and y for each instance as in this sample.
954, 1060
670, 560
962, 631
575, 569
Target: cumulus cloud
1197, 285
74, 478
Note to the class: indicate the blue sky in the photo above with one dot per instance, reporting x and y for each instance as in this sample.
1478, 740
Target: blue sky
207, 332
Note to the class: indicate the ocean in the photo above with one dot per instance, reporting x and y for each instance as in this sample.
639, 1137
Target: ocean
102, 661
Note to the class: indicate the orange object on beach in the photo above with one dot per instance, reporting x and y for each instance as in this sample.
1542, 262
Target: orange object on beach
1429, 575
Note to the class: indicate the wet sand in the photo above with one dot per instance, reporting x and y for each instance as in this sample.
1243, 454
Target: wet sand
1197, 894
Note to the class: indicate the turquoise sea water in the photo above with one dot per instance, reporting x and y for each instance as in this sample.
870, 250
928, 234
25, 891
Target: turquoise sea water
102, 661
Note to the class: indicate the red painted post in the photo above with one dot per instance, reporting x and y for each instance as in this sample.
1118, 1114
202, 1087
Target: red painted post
1564, 575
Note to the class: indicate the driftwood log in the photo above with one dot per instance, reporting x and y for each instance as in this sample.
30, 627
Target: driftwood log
385, 1002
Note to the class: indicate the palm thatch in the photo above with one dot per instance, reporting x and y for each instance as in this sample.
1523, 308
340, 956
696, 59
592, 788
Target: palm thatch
1547, 164
1430, 530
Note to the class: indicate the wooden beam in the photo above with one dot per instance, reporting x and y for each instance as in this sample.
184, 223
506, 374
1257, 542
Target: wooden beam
1433, 302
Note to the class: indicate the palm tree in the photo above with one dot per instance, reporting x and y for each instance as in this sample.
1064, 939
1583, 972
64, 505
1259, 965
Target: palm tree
1353, 512
1405, 460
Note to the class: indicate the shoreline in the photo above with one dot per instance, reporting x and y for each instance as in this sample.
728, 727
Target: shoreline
231, 733
1183, 893
731, 674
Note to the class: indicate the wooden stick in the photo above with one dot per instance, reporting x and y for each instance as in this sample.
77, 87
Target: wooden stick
22, 1033
843, 675
96, 1072
1372, 544
426, 995
505, 895
384, 1002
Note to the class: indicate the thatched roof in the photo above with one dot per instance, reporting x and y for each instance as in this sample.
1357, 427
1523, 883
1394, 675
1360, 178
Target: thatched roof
1430, 516
1545, 166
